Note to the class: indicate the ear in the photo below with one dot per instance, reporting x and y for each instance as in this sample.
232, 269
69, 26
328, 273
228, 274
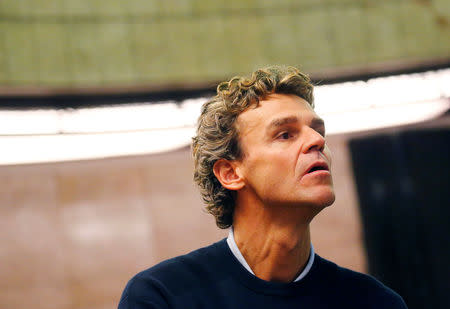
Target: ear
228, 174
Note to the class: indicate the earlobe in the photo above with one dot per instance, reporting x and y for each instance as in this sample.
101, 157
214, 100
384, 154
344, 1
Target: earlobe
227, 174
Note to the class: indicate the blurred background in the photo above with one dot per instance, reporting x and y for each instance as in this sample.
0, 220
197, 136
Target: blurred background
98, 103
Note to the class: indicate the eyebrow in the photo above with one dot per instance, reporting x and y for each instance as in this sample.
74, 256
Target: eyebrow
278, 122
315, 122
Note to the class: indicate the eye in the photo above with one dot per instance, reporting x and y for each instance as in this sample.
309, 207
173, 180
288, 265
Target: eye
284, 135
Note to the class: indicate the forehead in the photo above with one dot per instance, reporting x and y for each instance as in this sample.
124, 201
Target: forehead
272, 107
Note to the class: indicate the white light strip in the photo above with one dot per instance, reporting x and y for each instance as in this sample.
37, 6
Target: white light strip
35, 136
13, 122
130, 117
383, 117
63, 147
383, 91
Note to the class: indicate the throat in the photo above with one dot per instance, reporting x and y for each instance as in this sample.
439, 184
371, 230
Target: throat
281, 270
275, 257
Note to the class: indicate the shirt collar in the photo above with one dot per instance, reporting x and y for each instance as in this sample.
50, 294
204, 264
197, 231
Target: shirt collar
237, 253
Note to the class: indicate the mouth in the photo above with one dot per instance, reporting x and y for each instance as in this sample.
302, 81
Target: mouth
317, 167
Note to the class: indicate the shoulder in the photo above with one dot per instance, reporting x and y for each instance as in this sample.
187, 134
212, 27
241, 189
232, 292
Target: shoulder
359, 287
169, 279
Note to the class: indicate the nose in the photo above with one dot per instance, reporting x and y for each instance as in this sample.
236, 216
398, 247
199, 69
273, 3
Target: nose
313, 140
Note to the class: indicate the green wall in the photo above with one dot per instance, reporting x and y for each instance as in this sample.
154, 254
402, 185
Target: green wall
72, 43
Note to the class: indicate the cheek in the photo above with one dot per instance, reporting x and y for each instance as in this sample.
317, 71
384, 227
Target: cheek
267, 170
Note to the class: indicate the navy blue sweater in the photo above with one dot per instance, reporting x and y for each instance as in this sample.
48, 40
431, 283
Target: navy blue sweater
212, 277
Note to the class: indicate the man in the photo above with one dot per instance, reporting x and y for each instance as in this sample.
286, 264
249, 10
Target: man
264, 170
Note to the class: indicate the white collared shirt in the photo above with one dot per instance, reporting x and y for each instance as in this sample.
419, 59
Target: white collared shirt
237, 253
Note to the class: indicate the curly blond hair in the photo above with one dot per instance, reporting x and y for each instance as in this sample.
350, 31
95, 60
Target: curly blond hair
218, 138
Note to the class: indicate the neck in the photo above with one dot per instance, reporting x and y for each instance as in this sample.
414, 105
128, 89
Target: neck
275, 244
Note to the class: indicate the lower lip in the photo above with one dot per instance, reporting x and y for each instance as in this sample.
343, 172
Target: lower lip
318, 173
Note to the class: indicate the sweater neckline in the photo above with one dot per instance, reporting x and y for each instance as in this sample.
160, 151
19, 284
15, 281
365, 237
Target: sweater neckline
238, 255
237, 270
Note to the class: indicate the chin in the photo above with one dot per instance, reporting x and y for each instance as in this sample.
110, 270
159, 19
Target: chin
323, 199
329, 200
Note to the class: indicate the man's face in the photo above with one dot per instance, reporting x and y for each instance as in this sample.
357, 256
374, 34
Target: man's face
282, 139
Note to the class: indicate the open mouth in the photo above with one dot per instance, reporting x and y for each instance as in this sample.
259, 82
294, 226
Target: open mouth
318, 167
